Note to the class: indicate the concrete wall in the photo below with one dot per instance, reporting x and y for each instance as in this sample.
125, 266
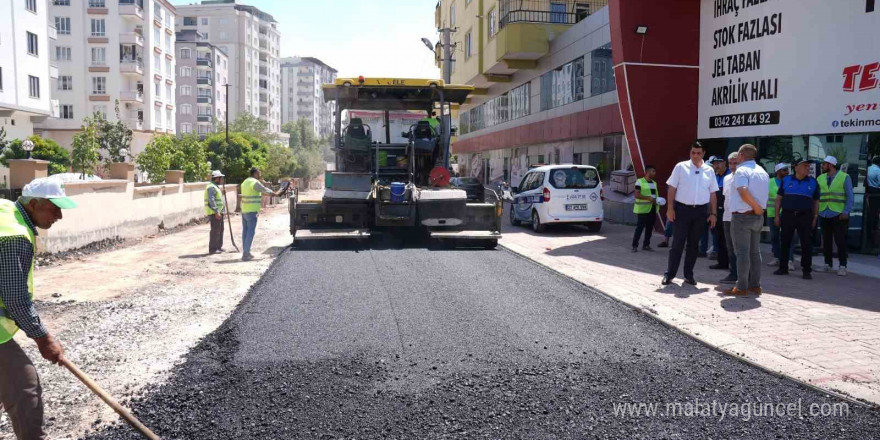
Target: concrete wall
136, 211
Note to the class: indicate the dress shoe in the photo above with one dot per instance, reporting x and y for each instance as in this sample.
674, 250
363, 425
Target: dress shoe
780, 271
690, 281
635, 249
663, 245
719, 266
735, 291
666, 280
807, 276
647, 248
755, 290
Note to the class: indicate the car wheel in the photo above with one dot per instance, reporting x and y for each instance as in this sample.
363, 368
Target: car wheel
537, 226
513, 220
594, 226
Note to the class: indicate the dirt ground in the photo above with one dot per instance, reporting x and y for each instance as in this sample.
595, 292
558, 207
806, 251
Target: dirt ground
127, 316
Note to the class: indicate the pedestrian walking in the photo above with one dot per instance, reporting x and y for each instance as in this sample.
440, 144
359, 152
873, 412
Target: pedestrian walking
781, 170
691, 206
748, 202
872, 185
835, 205
21, 396
215, 209
726, 218
798, 200
645, 208
252, 190
719, 244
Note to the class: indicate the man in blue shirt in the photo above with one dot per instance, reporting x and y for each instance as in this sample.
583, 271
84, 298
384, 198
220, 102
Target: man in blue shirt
834, 213
798, 198
873, 201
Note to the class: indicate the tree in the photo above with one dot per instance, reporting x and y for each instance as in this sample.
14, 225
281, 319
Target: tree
114, 137
85, 153
249, 124
236, 158
44, 149
189, 154
156, 158
280, 162
302, 134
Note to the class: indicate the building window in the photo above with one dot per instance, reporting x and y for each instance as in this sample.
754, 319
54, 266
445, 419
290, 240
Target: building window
99, 85
224, 36
190, 21
62, 53
157, 64
100, 109
31, 5
98, 27
33, 86
452, 15
186, 128
563, 85
557, 13
185, 109
185, 53
185, 90
62, 24
493, 22
157, 37
65, 82
1, 78
185, 72
97, 4
99, 56
468, 45
601, 71
157, 115
61, 2
204, 21
66, 111
33, 45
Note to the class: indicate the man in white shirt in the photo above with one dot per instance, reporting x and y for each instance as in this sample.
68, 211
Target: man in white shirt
747, 203
692, 204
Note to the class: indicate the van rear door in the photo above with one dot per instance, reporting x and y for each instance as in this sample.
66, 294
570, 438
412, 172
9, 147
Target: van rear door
574, 193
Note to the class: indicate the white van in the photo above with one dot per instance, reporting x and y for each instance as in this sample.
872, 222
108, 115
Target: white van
558, 194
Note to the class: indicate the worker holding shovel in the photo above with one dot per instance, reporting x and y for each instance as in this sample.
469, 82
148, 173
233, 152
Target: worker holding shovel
39, 206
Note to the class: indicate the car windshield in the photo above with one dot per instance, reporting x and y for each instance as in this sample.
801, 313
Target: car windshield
574, 178
468, 181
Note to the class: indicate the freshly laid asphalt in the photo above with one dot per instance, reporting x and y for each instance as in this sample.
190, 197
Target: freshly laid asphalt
390, 341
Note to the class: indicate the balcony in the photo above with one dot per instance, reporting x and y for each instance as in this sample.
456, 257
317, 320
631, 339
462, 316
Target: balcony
134, 124
130, 66
204, 62
205, 118
132, 10
205, 81
205, 100
132, 96
132, 38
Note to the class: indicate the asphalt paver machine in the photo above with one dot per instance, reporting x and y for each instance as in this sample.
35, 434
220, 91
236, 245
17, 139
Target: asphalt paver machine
394, 187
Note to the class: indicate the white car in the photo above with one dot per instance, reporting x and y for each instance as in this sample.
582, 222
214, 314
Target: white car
558, 194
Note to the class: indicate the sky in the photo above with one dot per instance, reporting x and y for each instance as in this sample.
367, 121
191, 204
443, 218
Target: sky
379, 38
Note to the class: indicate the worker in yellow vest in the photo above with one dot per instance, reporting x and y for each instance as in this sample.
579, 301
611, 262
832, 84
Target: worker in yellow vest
782, 170
835, 205
252, 190
21, 397
645, 208
215, 208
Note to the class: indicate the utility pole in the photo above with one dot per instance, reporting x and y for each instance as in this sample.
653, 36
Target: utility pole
227, 112
447, 47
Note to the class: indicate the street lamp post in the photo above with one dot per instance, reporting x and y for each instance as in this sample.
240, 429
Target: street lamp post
124, 153
28, 146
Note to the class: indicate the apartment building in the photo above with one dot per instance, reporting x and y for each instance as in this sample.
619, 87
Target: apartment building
302, 96
202, 74
25, 69
545, 89
110, 51
250, 38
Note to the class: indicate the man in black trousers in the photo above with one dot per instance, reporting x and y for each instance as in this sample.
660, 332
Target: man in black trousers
798, 196
721, 171
691, 205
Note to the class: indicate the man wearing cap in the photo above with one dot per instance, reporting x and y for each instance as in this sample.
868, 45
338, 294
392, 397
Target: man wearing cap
798, 199
718, 243
214, 209
252, 190
748, 201
835, 204
781, 170
645, 208
39, 206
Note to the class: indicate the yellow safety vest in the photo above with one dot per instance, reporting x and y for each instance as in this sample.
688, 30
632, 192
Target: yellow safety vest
13, 224
644, 206
218, 199
251, 199
771, 202
834, 197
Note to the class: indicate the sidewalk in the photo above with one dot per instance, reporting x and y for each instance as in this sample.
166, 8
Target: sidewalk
825, 331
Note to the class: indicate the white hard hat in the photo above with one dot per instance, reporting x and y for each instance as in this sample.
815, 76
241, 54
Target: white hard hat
780, 166
831, 159
216, 173
46, 188
661, 201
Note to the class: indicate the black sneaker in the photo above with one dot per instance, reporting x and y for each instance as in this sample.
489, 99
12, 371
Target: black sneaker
807, 276
635, 249
780, 271
690, 281
647, 248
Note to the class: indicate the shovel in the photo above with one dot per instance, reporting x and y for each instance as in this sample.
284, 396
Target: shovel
134, 422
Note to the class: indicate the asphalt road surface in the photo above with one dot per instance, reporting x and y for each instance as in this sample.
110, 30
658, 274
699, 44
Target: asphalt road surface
407, 342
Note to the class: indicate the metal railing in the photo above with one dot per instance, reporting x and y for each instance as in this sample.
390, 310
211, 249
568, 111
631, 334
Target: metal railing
547, 11
97, 3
